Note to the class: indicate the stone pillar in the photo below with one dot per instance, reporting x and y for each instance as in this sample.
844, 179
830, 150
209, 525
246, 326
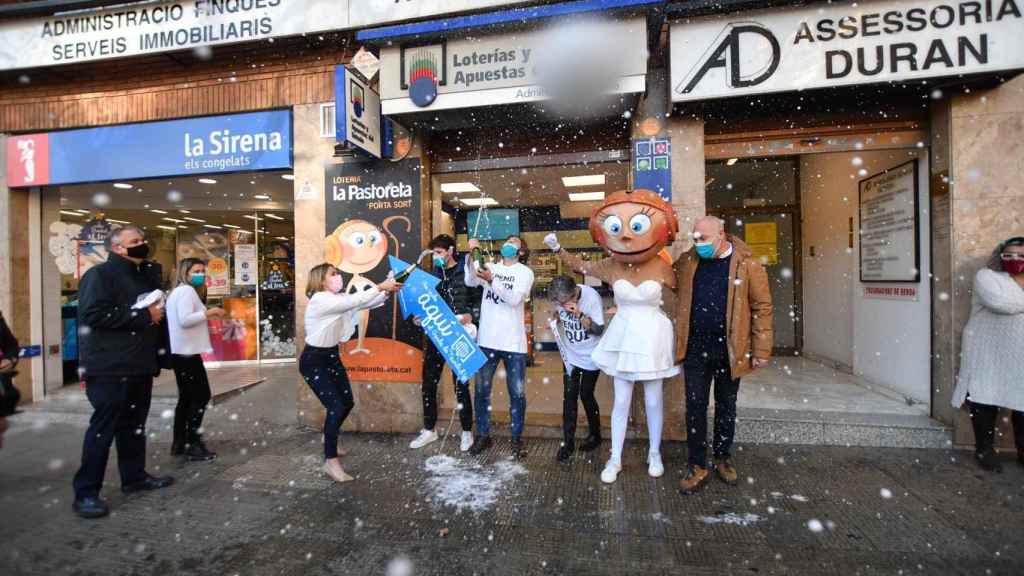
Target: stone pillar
987, 144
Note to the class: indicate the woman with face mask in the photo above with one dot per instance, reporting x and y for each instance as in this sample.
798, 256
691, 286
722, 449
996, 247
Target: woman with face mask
187, 317
330, 320
991, 372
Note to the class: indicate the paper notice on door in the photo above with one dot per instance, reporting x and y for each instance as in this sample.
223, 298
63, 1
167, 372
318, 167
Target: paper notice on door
763, 240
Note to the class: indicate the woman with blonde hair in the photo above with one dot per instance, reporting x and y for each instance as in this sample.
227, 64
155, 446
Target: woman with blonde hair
190, 338
330, 320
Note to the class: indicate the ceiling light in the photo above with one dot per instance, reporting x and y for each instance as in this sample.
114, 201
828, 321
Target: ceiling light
273, 216
212, 226
175, 220
479, 201
190, 219
117, 221
155, 211
207, 181
182, 227
233, 226
251, 217
285, 238
585, 196
171, 228
70, 213
123, 186
80, 211
455, 187
261, 197
731, 161
183, 211
288, 176
589, 180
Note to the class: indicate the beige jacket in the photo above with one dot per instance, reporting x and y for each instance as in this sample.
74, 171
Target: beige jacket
749, 309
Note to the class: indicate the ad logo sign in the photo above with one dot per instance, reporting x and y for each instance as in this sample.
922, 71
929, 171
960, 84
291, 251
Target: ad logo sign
423, 69
28, 160
747, 53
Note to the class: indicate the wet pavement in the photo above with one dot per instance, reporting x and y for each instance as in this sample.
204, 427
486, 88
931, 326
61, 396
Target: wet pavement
264, 508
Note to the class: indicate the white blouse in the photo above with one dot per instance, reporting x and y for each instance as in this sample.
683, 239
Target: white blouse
330, 317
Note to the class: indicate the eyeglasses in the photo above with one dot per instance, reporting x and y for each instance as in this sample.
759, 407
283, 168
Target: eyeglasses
1007, 256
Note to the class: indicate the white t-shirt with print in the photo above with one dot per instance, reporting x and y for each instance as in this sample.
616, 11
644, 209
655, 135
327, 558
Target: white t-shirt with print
502, 309
577, 342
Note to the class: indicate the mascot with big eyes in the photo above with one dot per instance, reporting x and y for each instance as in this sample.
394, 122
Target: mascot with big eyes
634, 227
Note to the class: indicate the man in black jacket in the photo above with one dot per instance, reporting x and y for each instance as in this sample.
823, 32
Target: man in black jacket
465, 303
118, 359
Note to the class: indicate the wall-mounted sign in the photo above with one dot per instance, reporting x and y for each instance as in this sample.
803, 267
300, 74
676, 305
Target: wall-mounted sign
366, 63
889, 249
488, 70
763, 240
245, 265
151, 28
842, 43
231, 143
357, 115
906, 292
652, 165
372, 212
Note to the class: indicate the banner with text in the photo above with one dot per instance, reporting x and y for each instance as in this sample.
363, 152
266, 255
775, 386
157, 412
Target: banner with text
372, 212
231, 143
843, 43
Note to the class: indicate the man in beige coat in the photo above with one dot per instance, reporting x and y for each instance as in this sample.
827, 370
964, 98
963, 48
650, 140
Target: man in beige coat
723, 331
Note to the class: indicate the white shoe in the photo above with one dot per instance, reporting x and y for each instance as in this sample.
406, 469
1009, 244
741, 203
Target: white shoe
467, 441
654, 466
425, 437
610, 472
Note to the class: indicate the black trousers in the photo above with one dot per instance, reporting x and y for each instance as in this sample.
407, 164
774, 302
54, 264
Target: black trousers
579, 387
700, 374
984, 419
120, 408
327, 377
193, 396
433, 366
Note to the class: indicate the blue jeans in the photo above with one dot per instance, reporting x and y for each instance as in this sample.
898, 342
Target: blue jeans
515, 369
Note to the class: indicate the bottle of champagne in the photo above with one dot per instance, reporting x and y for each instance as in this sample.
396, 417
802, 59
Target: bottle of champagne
404, 274
478, 257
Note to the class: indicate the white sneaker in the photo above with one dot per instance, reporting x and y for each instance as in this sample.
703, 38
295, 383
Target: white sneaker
610, 472
654, 466
425, 437
467, 441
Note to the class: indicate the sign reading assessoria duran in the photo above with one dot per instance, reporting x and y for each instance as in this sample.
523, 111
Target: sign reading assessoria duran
846, 43
230, 143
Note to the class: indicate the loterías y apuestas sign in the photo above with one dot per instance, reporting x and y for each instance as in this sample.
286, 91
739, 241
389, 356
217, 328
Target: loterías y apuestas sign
842, 44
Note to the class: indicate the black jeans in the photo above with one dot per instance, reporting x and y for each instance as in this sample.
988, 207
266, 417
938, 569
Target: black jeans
984, 420
699, 374
193, 396
433, 366
328, 378
579, 386
120, 408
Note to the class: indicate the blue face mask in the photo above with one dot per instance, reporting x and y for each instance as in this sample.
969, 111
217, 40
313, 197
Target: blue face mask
439, 261
197, 279
509, 250
705, 250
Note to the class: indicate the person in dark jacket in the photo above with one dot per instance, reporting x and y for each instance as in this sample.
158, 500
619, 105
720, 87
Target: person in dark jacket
465, 303
119, 348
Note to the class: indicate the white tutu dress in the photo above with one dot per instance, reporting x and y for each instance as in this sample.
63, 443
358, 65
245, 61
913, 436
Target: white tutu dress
639, 342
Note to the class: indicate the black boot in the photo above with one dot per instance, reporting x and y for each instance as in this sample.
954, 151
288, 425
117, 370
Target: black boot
480, 444
198, 452
988, 460
565, 452
590, 443
177, 449
518, 448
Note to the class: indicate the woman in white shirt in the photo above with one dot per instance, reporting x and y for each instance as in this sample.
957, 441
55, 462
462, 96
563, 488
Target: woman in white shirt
190, 337
330, 320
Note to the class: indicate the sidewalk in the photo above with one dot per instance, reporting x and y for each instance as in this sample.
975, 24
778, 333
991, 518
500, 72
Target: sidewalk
263, 508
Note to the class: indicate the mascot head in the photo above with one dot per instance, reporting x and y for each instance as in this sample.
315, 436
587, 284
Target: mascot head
634, 225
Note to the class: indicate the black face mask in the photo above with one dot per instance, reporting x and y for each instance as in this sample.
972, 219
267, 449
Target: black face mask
140, 251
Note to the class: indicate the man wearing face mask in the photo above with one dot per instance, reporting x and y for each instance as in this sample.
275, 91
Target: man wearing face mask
118, 359
723, 332
465, 303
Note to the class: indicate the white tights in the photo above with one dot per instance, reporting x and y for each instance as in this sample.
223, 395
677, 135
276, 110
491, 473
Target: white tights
620, 415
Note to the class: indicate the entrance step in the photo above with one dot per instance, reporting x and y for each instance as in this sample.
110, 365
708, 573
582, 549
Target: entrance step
769, 426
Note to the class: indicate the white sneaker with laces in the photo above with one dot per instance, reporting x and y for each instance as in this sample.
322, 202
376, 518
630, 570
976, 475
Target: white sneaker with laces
654, 466
467, 441
425, 437
611, 472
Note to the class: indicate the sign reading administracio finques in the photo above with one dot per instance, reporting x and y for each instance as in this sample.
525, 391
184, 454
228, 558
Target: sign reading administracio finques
843, 43
230, 143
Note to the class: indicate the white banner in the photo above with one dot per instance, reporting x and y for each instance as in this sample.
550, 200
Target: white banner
150, 28
506, 68
374, 12
840, 44
889, 250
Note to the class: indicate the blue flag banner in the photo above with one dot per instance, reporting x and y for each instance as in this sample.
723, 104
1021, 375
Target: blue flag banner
418, 297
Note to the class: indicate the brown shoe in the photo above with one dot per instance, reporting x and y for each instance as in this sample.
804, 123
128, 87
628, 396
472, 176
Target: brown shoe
726, 473
696, 478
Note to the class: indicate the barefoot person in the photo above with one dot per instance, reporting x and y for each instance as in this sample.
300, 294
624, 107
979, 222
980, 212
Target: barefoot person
580, 317
330, 320
634, 226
